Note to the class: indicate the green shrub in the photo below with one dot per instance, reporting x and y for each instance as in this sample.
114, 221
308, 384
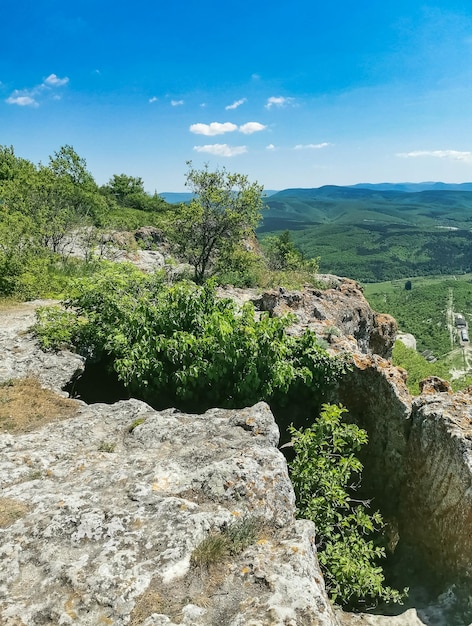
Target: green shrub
180, 345
323, 471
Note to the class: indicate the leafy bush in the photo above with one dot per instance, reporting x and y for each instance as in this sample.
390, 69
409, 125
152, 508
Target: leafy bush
180, 345
322, 473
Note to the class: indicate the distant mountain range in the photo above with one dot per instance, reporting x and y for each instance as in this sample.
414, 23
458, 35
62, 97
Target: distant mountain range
380, 231
174, 197
412, 187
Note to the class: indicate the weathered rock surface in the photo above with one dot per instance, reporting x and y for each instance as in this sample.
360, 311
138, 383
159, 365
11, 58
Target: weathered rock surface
377, 398
408, 618
21, 355
340, 310
117, 497
436, 502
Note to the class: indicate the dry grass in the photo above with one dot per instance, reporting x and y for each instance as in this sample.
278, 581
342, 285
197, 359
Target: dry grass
157, 599
26, 406
10, 511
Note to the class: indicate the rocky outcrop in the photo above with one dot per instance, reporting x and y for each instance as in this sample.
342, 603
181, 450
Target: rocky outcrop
338, 311
21, 356
436, 502
100, 512
112, 502
378, 400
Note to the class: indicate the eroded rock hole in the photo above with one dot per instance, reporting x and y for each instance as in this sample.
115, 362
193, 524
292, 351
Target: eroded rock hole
97, 383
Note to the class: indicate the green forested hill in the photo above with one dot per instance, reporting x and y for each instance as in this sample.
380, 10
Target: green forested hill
375, 234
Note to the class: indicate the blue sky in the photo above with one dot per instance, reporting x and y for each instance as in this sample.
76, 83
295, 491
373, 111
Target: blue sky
293, 94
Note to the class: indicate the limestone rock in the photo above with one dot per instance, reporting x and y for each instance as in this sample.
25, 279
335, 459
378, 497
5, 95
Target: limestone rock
339, 310
113, 501
377, 398
408, 618
436, 511
22, 356
433, 384
407, 339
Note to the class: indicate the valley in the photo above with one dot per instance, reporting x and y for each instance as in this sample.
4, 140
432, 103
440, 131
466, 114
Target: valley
375, 235
428, 310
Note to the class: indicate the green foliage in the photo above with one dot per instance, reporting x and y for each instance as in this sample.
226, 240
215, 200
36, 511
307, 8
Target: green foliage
282, 254
324, 472
240, 268
55, 327
382, 235
225, 210
128, 191
183, 346
419, 368
420, 311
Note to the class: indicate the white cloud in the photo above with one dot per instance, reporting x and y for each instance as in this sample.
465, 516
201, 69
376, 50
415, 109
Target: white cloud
176, 103
251, 127
21, 100
28, 97
311, 146
278, 101
270, 147
236, 104
54, 81
454, 155
153, 99
221, 149
219, 128
215, 128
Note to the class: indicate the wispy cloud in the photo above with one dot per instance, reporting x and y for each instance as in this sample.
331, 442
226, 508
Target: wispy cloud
311, 146
270, 147
153, 99
54, 81
454, 155
219, 128
221, 149
30, 97
251, 127
176, 103
236, 104
215, 128
22, 99
278, 101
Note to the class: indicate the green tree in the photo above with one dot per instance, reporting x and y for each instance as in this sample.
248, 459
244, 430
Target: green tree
77, 185
122, 187
128, 191
11, 165
281, 252
225, 210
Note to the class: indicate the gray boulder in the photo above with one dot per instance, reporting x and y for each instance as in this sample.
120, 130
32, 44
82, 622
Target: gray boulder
112, 502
